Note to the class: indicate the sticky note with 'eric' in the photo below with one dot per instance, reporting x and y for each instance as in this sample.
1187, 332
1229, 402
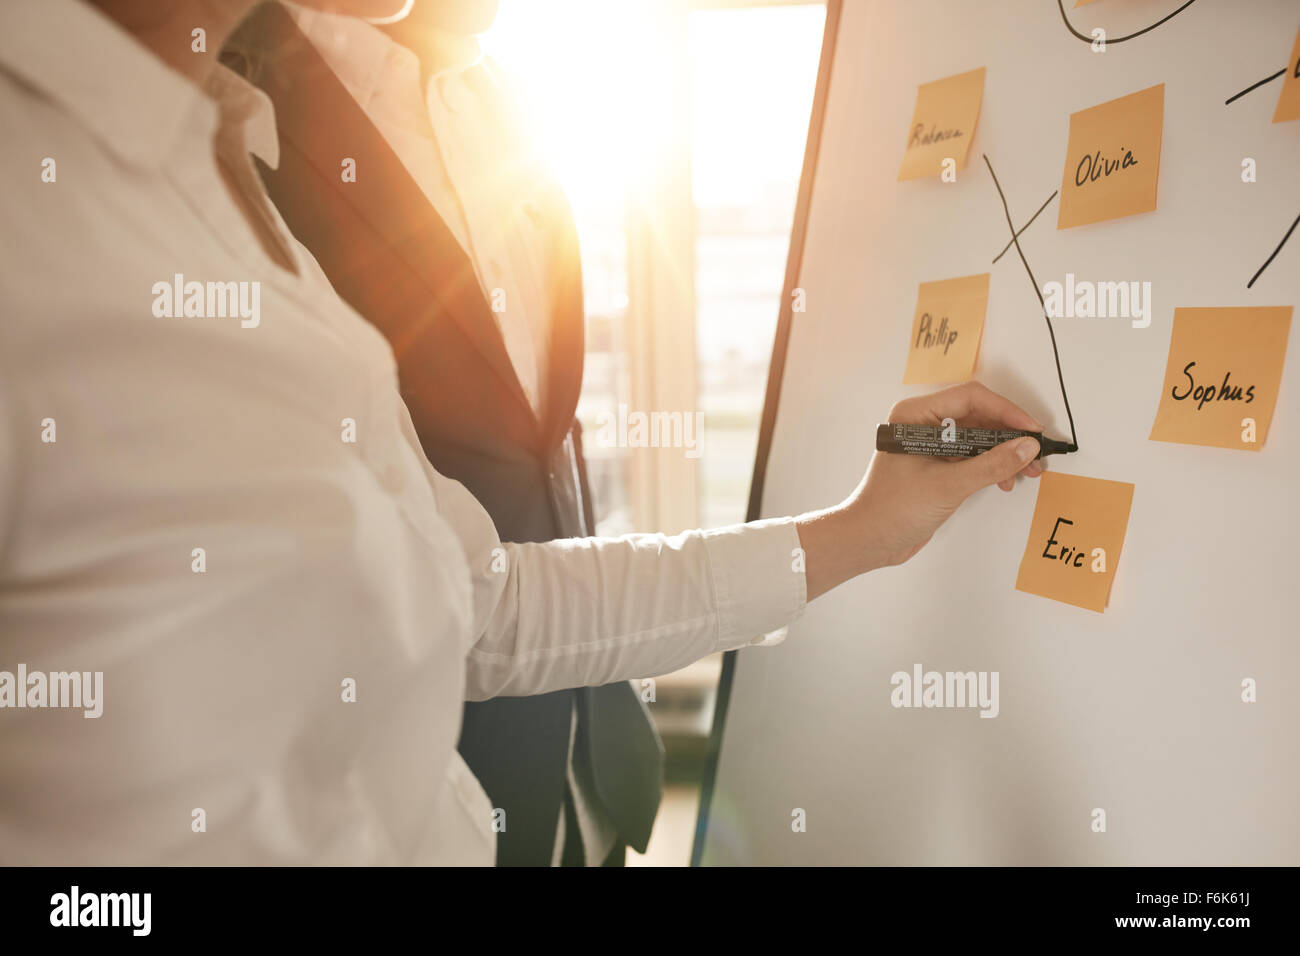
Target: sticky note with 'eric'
1075, 539
946, 330
943, 124
1112, 160
1223, 376
1288, 101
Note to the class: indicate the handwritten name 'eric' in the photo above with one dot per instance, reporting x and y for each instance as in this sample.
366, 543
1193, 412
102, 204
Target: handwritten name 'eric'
1071, 556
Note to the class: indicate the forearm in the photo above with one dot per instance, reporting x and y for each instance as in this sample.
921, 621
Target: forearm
832, 553
591, 611
586, 612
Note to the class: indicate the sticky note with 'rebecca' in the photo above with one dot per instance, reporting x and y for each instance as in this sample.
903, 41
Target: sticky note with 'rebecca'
1288, 101
1112, 160
1075, 539
943, 124
1223, 376
946, 330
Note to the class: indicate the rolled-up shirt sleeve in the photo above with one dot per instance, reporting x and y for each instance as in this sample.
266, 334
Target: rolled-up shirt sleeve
589, 611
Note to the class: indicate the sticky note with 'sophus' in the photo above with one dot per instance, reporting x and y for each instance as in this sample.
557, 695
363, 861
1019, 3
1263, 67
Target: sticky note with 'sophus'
1288, 101
946, 330
943, 124
1075, 539
1112, 159
1223, 376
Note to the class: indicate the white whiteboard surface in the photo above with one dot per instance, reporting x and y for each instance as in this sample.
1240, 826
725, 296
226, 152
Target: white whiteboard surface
1137, 711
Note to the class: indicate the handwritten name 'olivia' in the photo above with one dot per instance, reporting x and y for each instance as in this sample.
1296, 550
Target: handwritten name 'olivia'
1095, 166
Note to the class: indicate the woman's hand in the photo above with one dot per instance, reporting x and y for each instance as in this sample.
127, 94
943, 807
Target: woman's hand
903, 499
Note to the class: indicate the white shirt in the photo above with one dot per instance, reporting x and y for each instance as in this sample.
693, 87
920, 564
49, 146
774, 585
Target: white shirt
325, 563
478, 172
468, 159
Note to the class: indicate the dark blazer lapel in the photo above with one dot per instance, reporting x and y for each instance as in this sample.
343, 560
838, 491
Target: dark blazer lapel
318, 116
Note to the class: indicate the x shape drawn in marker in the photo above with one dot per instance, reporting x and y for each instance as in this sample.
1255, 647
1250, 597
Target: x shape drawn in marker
1021, 230
1015, 241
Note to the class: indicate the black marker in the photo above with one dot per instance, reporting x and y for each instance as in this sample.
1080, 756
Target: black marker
964, 443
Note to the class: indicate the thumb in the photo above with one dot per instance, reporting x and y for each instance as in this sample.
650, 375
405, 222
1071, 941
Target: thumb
996, 464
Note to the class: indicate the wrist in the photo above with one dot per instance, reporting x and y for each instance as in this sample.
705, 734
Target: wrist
834, 545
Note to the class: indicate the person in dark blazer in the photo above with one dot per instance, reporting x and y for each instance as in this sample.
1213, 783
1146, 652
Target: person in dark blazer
401, 171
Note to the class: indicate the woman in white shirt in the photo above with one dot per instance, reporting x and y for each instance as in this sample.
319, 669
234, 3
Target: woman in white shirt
214, 510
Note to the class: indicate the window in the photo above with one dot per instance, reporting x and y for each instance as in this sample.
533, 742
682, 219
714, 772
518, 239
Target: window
752, 77
677, 128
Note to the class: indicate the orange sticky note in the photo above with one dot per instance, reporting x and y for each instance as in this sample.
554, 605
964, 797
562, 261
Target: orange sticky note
1112, 161
1288, 101
1075, 539
946, 330
943, 124
1223, 376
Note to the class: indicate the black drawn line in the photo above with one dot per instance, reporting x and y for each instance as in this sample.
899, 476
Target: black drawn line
1109, 40
1015, 240
1024, 227
1275, 252
1253, 86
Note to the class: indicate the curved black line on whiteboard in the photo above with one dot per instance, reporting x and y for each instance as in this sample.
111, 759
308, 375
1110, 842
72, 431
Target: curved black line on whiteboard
1056, 353
775, 374
1060, 5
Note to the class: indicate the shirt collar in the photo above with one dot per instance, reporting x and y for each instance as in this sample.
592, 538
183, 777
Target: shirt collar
128, 98
247, 110
367, 60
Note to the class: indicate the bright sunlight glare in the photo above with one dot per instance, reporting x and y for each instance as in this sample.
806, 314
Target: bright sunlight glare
588, 71
609, 96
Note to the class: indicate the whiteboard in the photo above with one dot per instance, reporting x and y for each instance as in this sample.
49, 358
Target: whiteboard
1138, 710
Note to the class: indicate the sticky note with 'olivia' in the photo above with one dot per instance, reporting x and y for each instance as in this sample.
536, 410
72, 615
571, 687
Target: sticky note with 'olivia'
1112, 159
